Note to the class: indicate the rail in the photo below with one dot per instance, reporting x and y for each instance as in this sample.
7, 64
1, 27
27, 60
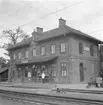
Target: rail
54, 99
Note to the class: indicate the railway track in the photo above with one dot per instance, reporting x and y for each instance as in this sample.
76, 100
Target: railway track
82, 91
49, 99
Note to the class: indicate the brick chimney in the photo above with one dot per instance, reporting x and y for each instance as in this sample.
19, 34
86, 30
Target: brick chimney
34, 35
62, 22
39, 30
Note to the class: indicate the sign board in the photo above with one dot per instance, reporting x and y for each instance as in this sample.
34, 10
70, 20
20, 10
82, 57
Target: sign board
24, 61
86, 49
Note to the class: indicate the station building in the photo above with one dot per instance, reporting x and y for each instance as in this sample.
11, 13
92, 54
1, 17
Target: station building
66, 55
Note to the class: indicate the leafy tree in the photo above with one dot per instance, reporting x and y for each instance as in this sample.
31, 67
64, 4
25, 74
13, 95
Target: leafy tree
13, 37
4, 62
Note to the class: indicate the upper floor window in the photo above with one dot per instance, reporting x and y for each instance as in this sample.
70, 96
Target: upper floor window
26, 54
80, 48
91, 50
53, 49
14, 56
42, 50
34, 52
63, 47
19, 55
63, 69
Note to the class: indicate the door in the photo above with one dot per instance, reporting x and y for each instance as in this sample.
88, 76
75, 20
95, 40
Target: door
81, 72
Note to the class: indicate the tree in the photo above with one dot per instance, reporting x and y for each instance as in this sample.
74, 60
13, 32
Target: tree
3, 62
13, 37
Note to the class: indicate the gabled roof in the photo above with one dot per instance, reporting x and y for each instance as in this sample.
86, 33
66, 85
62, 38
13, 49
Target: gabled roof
55, 33
65, 30
22, 43
3, 69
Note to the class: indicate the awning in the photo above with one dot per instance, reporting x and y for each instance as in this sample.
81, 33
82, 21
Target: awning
3, 69
37, 60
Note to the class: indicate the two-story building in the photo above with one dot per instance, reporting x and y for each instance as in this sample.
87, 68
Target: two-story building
66, 55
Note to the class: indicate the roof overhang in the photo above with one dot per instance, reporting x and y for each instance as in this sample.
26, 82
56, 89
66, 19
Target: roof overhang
37, 60
3, 69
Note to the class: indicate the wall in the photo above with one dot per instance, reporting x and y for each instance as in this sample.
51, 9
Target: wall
89, 62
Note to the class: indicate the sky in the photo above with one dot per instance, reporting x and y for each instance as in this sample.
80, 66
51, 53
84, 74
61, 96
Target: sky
83, 15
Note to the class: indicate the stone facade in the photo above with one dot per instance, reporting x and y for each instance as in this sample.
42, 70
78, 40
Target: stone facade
65, 67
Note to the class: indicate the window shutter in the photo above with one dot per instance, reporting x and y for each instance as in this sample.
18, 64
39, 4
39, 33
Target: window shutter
80, 48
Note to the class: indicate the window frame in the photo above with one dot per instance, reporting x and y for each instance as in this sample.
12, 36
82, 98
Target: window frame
34, 50
19, 55
53, 49
91, 50
42, 50
63, 50
63, 69
80, 48
26, 54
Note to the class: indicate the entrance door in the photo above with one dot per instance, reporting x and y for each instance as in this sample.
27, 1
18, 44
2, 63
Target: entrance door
81, 72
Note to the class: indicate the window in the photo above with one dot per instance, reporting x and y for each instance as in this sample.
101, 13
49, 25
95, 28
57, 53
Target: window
91, 50
53, 70
42, 50
53, 49
81, 72
63, 47
34, 52
54, 73
53, 66
19, 55
80, 48
63, 69
14, 56
26, 54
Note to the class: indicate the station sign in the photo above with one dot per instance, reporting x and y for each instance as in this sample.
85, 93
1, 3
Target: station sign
86, 48
24, 61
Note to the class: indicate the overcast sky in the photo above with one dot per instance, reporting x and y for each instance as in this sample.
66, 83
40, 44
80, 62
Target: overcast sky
83, 15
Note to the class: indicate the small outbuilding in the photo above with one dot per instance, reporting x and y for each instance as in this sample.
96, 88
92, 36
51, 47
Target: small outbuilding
3, 74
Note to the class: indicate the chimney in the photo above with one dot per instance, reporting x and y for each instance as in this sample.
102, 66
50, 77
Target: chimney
62, 22
33, 35
39, 30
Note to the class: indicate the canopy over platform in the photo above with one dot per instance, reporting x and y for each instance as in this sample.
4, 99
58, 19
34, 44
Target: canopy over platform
37, 60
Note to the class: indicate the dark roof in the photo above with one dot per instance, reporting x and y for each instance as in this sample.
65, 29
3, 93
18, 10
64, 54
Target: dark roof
22, 43
55, 33
64, 30
3, 69
37, 60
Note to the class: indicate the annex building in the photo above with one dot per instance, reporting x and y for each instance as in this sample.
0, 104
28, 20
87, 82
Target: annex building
64, 54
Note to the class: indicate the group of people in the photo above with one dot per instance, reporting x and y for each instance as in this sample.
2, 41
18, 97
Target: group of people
97, 81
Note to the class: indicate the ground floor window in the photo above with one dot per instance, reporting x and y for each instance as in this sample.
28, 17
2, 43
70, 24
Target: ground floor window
64, 73
53, 73
81, 72
63, 69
